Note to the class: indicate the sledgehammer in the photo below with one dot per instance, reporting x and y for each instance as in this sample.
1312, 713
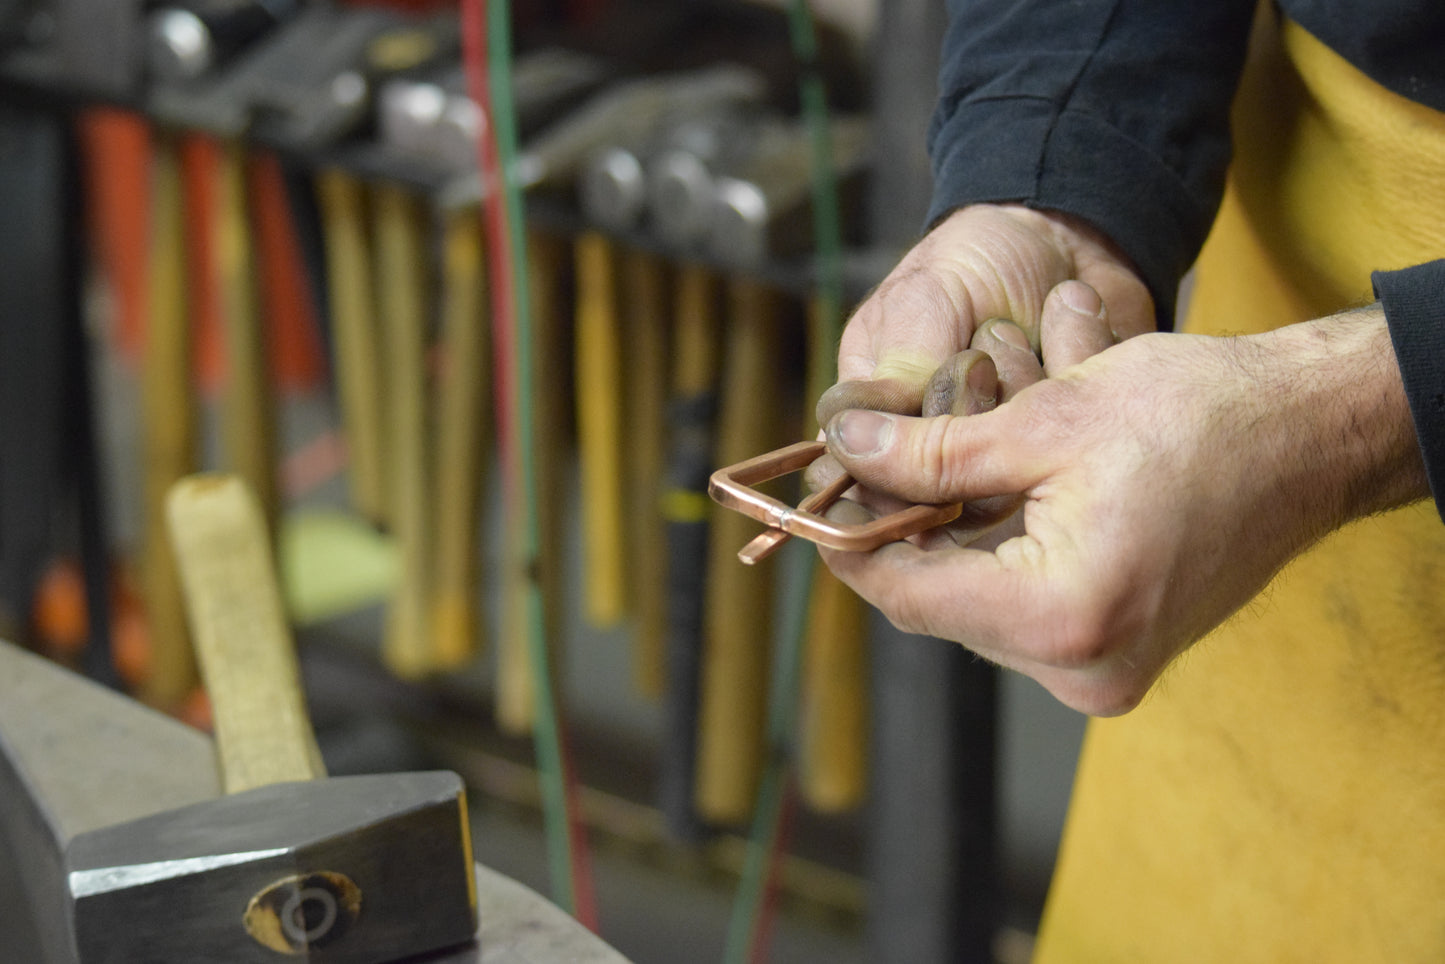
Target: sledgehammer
289, 864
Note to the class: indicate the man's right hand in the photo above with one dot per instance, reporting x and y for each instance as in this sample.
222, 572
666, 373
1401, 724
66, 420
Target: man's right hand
1166, 480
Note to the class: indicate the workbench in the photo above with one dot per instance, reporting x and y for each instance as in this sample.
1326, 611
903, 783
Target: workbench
75, 756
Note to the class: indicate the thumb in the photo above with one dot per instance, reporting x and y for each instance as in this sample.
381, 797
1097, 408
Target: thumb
930, 460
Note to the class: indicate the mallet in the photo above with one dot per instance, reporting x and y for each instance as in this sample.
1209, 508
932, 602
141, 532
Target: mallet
350, 870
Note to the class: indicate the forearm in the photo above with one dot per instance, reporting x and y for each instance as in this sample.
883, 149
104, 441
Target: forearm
1341, 439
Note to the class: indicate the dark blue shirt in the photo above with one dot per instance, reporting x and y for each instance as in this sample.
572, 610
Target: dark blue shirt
1085, 106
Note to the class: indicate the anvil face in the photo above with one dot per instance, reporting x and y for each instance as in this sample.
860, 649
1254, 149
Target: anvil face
178, 886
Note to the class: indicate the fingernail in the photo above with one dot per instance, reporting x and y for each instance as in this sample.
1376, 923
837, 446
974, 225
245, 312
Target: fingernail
1010, 334
941, 391
859, 432
1081, 299
981, 383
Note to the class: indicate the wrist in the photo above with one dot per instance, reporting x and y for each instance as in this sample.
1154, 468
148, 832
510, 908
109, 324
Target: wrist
1347, 445
1069, 232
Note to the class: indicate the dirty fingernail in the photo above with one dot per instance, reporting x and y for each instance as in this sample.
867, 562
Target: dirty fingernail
981, 383
942, 390
859, 432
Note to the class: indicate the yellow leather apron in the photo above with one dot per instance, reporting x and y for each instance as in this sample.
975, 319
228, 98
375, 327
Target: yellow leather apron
1280, 795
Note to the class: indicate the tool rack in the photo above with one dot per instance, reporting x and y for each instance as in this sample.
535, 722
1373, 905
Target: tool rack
300, 108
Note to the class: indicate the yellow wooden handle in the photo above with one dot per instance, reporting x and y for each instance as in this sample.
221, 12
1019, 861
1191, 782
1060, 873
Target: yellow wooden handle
599, 430
169, 429
516, 688
357, 336
833, 775
249, 416
737, 649
461, 438
401, 258
833, 766
646, 381
242, 639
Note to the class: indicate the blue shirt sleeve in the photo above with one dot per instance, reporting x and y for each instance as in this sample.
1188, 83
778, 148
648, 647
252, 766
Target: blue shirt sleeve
1414, 303
1116, 111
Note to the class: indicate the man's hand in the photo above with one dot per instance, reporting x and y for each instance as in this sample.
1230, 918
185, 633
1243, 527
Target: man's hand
983, 262
957, 328
1167, 479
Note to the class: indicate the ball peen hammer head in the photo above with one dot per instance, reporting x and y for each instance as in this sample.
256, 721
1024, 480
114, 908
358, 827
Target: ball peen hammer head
348, 870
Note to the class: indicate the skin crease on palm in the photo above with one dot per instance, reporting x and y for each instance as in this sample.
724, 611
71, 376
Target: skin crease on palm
1149, 470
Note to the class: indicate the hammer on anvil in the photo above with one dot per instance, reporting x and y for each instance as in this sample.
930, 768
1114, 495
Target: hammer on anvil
350, 870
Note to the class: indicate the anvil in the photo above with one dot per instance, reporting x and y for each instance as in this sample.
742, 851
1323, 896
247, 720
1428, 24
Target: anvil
355, 870
76, 757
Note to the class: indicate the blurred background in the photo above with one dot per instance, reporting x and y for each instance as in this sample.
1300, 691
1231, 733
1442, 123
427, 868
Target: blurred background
476, 296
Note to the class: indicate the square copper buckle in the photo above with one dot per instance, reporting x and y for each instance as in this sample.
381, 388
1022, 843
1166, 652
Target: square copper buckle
731, 487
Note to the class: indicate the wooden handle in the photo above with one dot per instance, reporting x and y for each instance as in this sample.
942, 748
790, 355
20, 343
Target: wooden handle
401, 260
169, 430
646, 383
833, 773
248, 412
461, 438
599, 431
736, 653
686, 508
242, 639
516, 690
833, 769
356, 335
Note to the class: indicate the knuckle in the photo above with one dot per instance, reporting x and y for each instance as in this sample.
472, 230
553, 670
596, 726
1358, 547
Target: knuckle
938, 457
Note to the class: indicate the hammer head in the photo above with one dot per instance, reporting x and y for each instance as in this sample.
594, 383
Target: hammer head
347, 870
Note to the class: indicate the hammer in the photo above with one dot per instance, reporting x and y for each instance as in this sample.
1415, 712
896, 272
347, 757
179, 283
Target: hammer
351, 870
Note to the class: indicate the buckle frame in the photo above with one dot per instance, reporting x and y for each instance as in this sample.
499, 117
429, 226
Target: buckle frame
731, 487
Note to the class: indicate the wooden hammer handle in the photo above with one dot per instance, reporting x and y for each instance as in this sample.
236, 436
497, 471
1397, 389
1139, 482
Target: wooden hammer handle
645, 331
600, 415
737, 647
833, 769
249, 411
356, 336
401, 258
243, 642
169, 428
460, 467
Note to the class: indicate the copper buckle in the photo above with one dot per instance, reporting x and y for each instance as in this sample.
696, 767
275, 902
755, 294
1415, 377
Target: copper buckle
731, 488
